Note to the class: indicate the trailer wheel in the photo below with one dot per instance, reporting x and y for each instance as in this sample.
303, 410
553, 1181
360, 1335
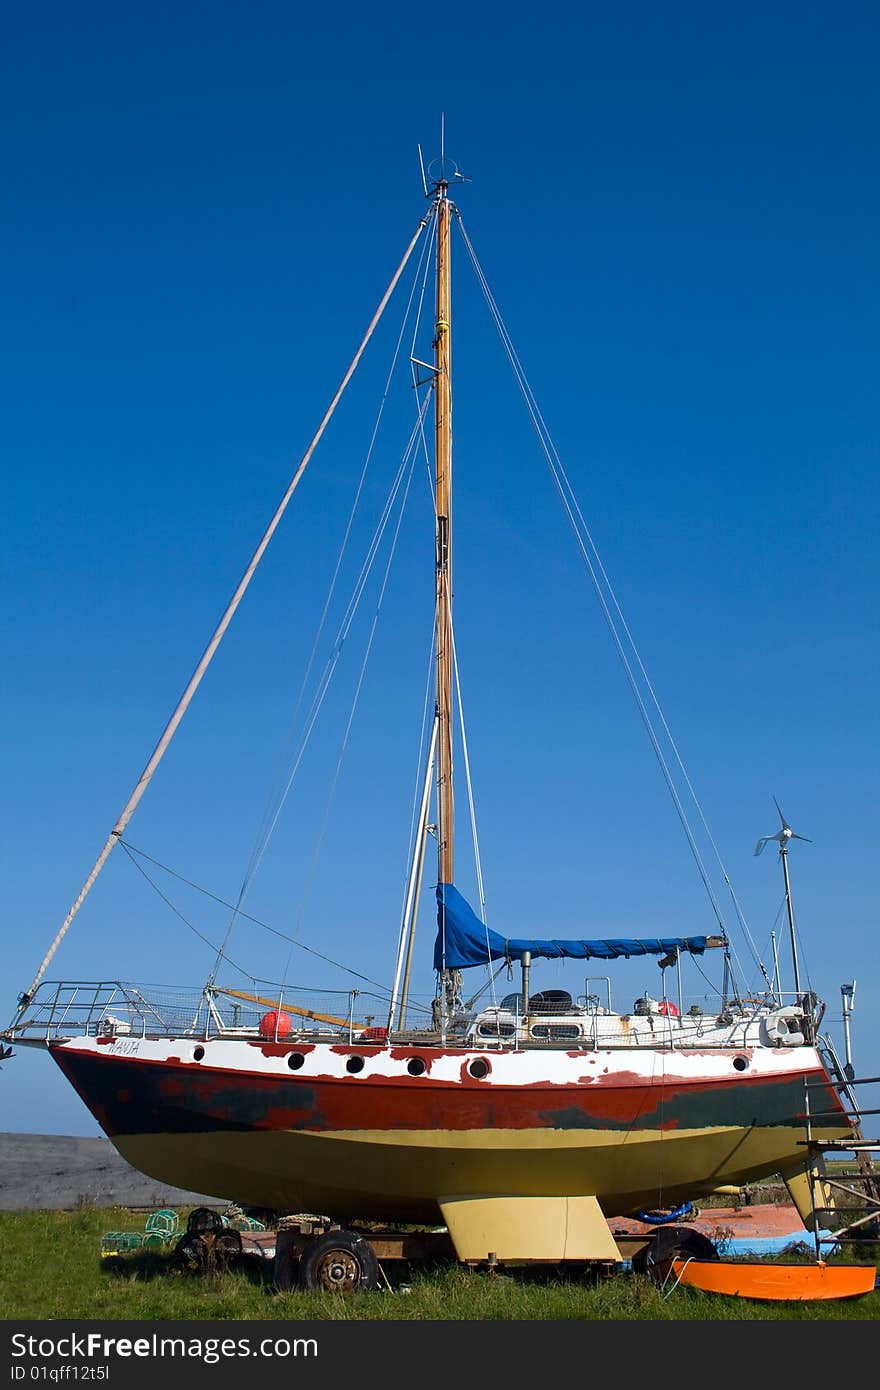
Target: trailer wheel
672, 1243
338, 1262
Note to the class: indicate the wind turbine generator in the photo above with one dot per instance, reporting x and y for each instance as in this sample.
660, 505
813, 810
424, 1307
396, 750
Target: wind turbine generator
783, 837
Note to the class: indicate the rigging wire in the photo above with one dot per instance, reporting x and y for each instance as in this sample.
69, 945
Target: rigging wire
245, 916
565, 492
424, 261
383, 994
217, 636
421, 411
356, 698
268, 822
672, 742
416, 830
471, 804
422, 745
333, 659
176, 910
467, 771
414, 369
487, 984
427, 456
429, 252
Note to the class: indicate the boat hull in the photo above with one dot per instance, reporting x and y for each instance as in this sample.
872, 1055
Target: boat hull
771, 1282
634, 1129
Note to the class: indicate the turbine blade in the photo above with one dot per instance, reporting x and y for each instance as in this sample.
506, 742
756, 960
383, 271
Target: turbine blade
801, 837
779, 837
785, 824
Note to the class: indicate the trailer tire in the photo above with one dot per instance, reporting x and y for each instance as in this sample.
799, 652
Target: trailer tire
670, 1243
285, 1262
338, 1262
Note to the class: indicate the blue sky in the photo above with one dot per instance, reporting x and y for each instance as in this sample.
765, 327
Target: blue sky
677, 210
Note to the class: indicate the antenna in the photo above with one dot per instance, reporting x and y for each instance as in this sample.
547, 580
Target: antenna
848, 998
422, 167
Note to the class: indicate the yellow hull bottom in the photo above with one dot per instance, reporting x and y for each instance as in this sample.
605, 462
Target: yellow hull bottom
402, 1176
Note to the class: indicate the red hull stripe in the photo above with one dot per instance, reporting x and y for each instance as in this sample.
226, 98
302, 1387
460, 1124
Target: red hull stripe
137, 1097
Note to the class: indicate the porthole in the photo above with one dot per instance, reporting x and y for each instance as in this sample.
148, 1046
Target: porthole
740, 1063
479, 1068
198, 1053
354, 1064
295, 1061
416, 1066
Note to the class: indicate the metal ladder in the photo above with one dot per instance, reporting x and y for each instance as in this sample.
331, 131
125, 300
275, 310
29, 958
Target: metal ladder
862, 1188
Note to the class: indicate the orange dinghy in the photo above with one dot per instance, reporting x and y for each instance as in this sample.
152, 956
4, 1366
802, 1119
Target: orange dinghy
771, 1281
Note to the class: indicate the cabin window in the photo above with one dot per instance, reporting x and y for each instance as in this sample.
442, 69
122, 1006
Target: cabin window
354, 1064
496, 1030
198, 1053
479, 1068
740, 1063
556, 1032
416, 1066
295, 1061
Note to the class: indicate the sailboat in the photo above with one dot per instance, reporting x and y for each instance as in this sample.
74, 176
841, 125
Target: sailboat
509, 1123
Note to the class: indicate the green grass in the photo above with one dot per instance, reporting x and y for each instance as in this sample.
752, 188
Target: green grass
51, 1268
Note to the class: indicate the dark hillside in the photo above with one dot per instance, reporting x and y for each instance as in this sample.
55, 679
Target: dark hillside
61, 1172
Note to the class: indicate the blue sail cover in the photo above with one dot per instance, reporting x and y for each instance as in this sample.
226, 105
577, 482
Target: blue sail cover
470, 942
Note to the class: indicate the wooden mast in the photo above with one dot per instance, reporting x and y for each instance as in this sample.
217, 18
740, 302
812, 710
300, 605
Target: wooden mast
443, 463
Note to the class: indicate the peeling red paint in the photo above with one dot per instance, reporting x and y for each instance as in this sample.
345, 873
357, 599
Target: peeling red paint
406, 1054
173, 1096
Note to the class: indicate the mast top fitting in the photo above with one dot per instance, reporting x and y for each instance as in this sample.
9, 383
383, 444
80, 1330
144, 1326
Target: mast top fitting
442, 172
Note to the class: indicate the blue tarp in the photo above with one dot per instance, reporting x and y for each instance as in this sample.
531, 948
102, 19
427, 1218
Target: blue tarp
470, 942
